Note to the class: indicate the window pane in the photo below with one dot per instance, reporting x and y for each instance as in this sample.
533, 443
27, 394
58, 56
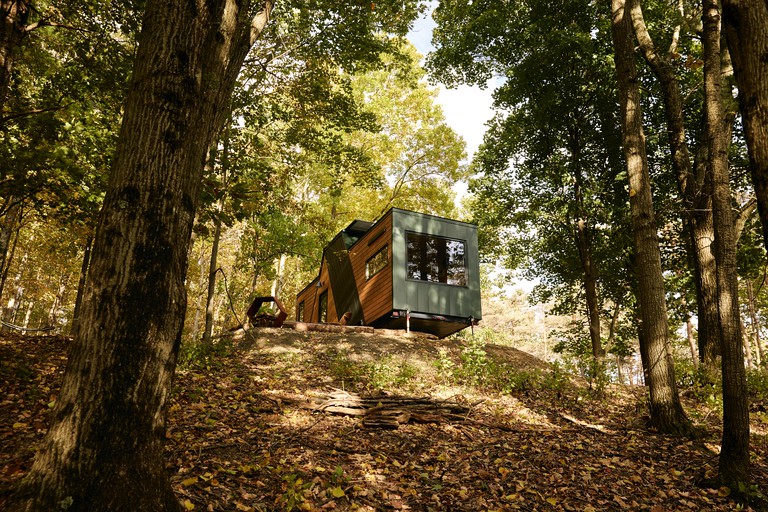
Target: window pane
376, 263
436, 259
322, 309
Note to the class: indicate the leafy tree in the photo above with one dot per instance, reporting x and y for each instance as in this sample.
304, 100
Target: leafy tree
549, 165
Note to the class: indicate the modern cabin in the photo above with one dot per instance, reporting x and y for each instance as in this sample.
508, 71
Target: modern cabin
407, 270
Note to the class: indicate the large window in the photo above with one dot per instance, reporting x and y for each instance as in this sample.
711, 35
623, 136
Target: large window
300, 312
377, 262
436, 259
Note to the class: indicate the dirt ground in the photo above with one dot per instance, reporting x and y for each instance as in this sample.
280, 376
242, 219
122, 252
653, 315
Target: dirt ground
243, 434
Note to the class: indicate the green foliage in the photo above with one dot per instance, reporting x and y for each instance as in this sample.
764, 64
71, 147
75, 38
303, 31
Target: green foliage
699, 383
475, 364
479, 369
549, 197
344, 369
196, 354
557, 379
390, 373
757, 385
445, 366
293, 487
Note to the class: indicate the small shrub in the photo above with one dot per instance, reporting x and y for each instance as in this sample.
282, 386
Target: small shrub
475, 362
597, 375
556, 379
390, 373
510, 380
757, 384
204, 355
699, 383
445, 366
293, 488
344, 369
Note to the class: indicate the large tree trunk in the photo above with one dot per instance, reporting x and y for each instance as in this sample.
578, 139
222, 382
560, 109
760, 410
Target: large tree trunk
702, 233
734, 453
667, 413
746, 28
104, 448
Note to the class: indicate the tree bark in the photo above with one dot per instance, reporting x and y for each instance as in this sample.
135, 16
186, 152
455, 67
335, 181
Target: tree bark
666, 411
702, 233
104, 448
745, 23
754, 322
734, 453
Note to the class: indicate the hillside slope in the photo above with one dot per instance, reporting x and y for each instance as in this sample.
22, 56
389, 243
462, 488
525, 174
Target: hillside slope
243, 434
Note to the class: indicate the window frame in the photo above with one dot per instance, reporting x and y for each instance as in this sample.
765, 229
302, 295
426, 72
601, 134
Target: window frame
385, 251
444, 267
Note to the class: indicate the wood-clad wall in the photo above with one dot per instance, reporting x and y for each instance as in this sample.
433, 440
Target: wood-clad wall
375, 293
310, 296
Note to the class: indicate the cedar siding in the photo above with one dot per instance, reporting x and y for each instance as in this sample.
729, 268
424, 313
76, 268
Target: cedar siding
375, 293
385, 297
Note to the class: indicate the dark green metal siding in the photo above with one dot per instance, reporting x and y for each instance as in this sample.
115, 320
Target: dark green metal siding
433, 298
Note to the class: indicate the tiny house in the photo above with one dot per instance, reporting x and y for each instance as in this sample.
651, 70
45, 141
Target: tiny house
407, 270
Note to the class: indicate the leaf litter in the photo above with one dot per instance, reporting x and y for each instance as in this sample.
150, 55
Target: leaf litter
245, 433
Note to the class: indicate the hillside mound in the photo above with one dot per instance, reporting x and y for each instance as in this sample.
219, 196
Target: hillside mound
250, 428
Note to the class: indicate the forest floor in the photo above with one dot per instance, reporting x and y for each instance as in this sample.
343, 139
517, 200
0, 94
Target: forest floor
243, 434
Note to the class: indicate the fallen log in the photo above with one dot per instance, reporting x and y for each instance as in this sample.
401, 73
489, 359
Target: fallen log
334, 327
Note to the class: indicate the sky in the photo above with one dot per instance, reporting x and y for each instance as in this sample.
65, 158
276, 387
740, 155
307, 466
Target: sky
466, 108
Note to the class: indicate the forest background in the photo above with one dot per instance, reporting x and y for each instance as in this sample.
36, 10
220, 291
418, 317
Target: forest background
332, 119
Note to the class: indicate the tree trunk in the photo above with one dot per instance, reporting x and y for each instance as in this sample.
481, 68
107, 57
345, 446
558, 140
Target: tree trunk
13, 19
691, 340
213, 265
200, 296
584, 246
666, 412
7, 230
694, 186
745, 344
81, 286
734, 454
754, 322
58, 300
702, 233
104, 448
746, 28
